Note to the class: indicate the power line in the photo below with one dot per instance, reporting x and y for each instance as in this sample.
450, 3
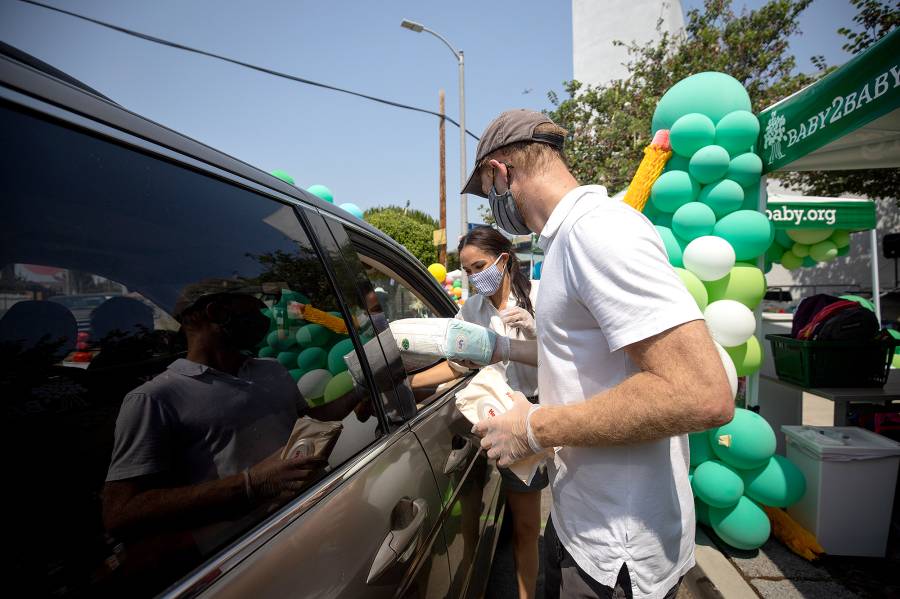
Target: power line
157, 40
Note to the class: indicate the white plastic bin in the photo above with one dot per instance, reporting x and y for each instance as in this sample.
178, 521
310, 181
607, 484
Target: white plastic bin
850, 474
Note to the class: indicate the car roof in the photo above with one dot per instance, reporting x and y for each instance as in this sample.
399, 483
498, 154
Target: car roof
28, 75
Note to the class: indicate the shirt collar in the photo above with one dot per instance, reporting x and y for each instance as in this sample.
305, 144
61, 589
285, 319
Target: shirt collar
186, 367
562, 211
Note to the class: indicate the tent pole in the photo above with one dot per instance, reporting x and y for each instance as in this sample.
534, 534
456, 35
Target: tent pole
876, 287
752, 391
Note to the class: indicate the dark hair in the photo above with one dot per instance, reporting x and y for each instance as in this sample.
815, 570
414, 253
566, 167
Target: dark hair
491, 241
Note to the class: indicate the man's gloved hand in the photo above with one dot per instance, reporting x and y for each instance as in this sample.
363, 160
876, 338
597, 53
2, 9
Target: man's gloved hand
274, 476
519, 318
506, 436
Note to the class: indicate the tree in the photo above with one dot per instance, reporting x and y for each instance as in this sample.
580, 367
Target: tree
874, 20
609, 125
413, 229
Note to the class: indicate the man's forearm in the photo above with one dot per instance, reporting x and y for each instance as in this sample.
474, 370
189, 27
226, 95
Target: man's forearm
642, 408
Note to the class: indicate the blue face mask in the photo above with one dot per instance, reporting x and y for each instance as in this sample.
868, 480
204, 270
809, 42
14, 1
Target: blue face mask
506, 213
487, 282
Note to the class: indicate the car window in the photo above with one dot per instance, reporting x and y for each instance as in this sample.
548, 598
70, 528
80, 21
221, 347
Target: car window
162, 333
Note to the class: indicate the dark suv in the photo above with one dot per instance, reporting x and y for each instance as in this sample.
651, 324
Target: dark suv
407, 506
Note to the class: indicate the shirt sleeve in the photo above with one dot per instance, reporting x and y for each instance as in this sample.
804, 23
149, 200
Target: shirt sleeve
143, 438
621, 273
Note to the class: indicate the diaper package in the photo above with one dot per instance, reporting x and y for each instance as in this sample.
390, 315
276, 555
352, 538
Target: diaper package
445, 338
485, 397
312, 437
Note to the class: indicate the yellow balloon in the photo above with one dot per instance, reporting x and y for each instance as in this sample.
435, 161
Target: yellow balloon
438, 271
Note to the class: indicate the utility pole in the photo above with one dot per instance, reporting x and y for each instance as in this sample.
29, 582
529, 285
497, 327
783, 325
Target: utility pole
442, 248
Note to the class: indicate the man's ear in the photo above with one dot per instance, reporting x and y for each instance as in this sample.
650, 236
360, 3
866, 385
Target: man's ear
216, 312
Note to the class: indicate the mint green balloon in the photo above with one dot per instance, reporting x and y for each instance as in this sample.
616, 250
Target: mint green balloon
773, 254
673, 190
867, 304
267, 352
710, 93
700, 448
724, 197
312, 358
336, 364
314, 335
747, 357
709, 164
743, 526
824, 251
339, 386
694, 286
745, 169
808, 261
746, 442
751, 197
677, 163
674, 246
800, 250
841, 238
690, 133
283, 176
744, 283
737, 131
693, 220
790, 260
279, 343
321, 192
778, 484
288, 359
295, 373
781, 237
749, 232
716, 484
701, 511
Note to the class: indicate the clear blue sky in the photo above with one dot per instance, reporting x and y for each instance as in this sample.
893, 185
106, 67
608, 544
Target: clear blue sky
367, 153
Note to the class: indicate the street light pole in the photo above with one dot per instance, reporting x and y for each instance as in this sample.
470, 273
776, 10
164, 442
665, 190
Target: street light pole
463, 198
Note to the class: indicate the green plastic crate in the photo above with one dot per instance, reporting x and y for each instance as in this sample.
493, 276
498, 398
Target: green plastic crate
832, 363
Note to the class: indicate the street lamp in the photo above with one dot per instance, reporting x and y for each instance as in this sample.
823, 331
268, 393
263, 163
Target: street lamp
463, 200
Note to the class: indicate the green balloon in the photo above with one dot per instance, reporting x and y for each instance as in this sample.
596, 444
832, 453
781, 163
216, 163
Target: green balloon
749, 232
279, 342
295, 373
841, 238
746, 442
314, 335
690, 133
782, 239
747, 357
339, 386
457, 283
843, 251
694, 286
800, 250
743, 526
673, 190
709, 93
312, 358
791, 261
868, 305
288, 359
693, 220
336, 364
267, 352
744, 283
745, 169
808, 261
717, 485
283, 176
701, 510
895, 363
773, 254
778, 484
724, 197
709, 164
824, 251
700, 448
737, 132
809, 236
677, 163
674, 246
751, 197
321, 192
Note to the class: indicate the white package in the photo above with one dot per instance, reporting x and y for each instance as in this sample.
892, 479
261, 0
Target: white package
449, 338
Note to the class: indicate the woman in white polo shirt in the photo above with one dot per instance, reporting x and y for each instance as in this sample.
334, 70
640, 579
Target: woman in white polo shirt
504, 304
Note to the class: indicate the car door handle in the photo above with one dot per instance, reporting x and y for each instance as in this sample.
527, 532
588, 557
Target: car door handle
457, 458
400, 543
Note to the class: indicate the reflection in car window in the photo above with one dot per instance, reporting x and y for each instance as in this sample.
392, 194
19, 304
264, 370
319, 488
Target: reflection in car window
161, 335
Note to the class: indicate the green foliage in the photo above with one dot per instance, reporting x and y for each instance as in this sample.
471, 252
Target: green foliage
487, 217
412, 229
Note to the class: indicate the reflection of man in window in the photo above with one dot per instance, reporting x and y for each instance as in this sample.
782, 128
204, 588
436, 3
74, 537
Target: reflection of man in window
201, 442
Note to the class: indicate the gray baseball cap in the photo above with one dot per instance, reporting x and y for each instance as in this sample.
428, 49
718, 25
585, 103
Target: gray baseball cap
510, 127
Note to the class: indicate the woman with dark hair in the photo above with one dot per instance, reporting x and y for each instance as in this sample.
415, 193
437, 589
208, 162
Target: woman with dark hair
504, 304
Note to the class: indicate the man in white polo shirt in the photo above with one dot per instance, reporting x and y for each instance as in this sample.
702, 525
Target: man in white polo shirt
626, 368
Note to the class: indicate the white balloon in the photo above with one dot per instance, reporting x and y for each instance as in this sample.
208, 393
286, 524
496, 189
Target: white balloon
312, 384
709, 257
730, 370
731, 323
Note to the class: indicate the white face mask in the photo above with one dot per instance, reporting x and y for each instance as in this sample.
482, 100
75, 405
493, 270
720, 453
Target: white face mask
487, 282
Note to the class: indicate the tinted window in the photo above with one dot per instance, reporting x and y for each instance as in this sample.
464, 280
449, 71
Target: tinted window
133, 292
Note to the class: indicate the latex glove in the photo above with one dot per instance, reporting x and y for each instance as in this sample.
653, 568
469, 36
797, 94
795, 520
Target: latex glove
273, 476
519, 318
506, 437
